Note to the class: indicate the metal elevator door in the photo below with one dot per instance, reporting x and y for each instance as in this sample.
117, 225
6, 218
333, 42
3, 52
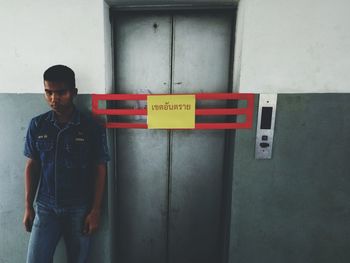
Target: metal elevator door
170, 184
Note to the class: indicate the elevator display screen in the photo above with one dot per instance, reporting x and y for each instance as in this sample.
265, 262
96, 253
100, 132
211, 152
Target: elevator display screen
266, 116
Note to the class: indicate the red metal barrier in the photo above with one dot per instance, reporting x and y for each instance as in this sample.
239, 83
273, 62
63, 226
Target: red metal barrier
247, 111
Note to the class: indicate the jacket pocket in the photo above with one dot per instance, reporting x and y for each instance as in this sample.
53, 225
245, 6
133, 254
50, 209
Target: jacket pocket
45, 149
77, 153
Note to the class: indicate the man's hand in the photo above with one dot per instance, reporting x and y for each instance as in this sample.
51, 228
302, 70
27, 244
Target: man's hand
28, 218
31, 179
92, 221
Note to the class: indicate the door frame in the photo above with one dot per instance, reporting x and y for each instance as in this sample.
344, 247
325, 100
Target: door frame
172, 5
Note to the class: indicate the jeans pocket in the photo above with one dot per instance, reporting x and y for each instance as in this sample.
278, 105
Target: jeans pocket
77, 217
42, 216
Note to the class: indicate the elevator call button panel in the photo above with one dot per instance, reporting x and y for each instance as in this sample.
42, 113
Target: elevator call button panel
265, 126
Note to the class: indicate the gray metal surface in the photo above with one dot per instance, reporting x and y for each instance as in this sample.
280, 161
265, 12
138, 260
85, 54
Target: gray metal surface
264, 136
201, 64
169, 184
142, 64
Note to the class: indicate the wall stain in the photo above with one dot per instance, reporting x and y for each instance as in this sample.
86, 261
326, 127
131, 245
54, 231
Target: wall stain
155, 27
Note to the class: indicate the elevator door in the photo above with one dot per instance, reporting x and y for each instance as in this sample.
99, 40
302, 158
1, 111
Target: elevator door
169, 184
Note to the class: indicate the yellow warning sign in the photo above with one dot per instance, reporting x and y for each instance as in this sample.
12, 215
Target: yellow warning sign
171, 111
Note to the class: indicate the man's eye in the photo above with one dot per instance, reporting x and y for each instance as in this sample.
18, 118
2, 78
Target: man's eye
48, 93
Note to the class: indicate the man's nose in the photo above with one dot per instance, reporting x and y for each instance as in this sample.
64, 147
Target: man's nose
54, 96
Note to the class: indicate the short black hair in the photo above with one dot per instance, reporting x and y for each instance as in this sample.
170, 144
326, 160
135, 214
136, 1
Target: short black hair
60, 73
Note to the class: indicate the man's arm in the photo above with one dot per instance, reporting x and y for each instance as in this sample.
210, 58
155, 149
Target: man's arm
31, 179
93, 218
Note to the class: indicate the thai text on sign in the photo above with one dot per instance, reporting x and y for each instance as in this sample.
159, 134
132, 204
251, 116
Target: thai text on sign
171, 111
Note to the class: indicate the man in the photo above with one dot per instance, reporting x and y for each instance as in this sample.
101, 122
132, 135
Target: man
68, 152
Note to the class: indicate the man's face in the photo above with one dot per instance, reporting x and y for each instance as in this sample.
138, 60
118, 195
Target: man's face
59, 96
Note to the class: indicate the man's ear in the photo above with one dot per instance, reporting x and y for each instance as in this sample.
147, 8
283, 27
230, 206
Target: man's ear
75, 92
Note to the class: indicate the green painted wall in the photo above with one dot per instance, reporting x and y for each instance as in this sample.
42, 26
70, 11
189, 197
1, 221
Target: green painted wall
296, 206
293, 208
17, 110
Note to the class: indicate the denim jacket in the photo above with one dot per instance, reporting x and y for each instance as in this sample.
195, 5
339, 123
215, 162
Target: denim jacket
67, 157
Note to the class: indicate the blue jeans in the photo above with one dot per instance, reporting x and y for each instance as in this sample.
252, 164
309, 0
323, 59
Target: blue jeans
50, 224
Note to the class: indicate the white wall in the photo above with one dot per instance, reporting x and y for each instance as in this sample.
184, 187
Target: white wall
37, 34
293, 46
282, 45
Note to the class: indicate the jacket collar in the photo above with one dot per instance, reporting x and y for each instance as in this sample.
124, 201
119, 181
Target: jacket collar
75, 120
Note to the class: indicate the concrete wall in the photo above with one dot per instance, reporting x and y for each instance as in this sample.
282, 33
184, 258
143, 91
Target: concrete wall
34, 36
294, 208
282, 46
19, 109
298, 46
38, 34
